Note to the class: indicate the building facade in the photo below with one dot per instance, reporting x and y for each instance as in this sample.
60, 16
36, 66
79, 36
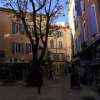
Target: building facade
16, 47
87, 40
59, 50
13, 38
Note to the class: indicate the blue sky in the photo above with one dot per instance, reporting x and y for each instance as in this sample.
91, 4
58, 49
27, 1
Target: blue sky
62, 18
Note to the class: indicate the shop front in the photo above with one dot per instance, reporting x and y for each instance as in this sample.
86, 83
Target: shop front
90, 65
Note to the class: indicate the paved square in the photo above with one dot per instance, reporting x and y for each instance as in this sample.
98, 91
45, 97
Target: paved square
51, 90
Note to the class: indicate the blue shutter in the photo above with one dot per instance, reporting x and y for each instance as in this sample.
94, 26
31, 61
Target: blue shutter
78, 7
93, 20
13, 28
85, 32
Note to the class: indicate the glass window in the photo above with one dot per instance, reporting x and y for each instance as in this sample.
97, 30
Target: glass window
60, 33
13, 47
56, 57
2, 53
52, 43
60, 44
62, 56
22, 48
17, 28
28, 48
32, 31
13, 28
17, 48
85, 32
21, 28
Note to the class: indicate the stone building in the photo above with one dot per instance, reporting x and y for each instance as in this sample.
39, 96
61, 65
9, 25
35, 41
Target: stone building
16, 47
87, 39
59, 50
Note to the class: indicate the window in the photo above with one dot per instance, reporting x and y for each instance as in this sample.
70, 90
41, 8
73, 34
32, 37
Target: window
13, 48
21, 28
32, 32
17, 48
56, 57
51, 56
82, 6
60, 44
2, 54
60, 33
22, 47
62, 56
51, 43
28, 48
31, 29
14, 28
93, 20
17, 28
85, 32
99, 5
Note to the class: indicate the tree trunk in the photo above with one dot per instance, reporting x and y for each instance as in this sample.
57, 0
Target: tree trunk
34, 74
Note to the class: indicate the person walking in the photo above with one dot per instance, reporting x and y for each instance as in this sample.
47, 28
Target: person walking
39, 82
50, 75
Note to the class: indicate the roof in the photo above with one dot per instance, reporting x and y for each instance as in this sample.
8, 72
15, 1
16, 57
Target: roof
7, 9
13, 10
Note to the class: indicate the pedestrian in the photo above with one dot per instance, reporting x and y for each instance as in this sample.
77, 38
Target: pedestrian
50, 75
39, 82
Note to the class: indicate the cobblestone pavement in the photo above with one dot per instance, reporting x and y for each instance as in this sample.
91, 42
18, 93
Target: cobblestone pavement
52, 90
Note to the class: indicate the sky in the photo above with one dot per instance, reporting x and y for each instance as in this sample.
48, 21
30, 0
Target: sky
63, 18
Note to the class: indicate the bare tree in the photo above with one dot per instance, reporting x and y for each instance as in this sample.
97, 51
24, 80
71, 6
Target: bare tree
39, 12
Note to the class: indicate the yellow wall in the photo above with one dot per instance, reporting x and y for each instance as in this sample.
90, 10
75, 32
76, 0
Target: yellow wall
7, 38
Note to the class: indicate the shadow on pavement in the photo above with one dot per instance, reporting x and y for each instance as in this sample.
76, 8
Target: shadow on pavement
7, 83
89, 98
